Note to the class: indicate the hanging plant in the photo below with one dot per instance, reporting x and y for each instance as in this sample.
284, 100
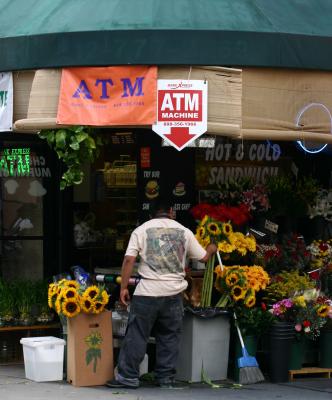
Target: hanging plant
74, 146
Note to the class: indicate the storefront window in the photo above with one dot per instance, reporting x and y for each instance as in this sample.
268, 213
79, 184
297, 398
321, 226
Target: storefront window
26, 187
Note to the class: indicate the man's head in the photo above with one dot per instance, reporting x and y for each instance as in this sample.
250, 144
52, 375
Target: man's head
162, 207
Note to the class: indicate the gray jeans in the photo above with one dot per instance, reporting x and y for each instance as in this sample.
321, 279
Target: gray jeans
165, 315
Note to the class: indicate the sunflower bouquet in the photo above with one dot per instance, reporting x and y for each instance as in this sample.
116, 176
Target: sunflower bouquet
239, 285
210, 230
68, 298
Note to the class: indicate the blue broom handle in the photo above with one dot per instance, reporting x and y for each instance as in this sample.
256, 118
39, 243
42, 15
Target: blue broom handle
238, 331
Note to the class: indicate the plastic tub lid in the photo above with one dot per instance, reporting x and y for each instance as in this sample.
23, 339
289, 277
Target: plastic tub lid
42, 341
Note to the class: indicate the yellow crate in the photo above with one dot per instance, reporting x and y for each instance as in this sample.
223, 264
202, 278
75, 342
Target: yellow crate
121, 173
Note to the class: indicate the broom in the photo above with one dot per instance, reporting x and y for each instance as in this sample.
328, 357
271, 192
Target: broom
248, 366
249, 369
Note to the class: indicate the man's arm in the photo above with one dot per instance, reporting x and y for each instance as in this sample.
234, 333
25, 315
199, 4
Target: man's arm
210, 249
126, 271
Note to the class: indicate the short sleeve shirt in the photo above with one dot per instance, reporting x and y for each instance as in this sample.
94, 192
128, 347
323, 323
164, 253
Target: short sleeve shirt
163, 245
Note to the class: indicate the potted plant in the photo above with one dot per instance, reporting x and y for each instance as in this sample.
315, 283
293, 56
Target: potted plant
75, 146
25, 299
7, 303
44, 313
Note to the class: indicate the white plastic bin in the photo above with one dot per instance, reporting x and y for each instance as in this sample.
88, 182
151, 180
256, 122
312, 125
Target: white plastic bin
43, 358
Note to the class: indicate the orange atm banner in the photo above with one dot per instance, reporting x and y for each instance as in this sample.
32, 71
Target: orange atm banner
108, 96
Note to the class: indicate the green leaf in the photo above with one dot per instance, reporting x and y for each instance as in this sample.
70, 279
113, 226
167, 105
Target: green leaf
81, 136
89, 356
74, 145
60, 138
91, 142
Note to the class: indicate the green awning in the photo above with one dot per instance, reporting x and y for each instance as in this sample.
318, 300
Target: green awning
267, 33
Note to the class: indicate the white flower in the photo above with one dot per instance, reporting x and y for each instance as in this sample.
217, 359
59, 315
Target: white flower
307, 329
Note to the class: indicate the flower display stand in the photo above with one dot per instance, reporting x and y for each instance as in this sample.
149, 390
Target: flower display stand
204, 344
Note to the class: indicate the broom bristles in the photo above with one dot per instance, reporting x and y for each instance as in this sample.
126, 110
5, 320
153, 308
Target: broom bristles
250, 375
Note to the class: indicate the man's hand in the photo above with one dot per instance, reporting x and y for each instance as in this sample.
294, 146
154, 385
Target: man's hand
124, 296
210, 249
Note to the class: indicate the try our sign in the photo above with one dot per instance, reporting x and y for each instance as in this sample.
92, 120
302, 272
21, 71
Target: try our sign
181, 111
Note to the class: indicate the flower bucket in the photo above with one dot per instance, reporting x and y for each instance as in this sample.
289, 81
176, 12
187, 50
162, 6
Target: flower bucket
204, 344
325, 349
281, 336
297, 353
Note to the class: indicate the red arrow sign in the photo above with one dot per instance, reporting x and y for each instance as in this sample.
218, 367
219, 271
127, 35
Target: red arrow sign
179, 136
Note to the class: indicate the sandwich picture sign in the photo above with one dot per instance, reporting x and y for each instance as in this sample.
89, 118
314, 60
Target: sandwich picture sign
181, 111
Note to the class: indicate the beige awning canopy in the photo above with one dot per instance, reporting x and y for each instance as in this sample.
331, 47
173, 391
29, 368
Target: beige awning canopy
249, 104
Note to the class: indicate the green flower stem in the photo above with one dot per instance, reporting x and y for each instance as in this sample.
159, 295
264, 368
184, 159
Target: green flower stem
208, 283
223, 301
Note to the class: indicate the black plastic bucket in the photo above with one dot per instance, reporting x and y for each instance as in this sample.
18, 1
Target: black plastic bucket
281, 336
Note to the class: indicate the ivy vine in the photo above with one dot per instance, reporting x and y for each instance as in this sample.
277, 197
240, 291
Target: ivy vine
74, 146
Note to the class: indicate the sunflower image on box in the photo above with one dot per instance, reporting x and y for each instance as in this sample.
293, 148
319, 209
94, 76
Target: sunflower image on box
93, 341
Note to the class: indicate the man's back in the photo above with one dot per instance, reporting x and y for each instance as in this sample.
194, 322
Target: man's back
163, 245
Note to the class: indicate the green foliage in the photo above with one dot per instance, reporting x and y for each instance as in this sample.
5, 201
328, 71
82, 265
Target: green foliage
25, 296
74, 146
7, 300
254, 321
307, 189
285, 284
281, 195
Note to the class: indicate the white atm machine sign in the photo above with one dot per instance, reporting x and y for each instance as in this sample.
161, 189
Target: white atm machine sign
181, 112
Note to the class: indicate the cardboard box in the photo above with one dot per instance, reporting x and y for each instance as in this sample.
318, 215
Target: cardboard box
90, 349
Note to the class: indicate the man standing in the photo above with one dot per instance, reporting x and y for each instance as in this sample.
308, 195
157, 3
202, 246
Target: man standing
163, 246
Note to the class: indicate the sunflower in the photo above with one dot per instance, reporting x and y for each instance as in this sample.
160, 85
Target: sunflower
204, 220
94, 340
225, 247
219, 271
86, 305
323, 310
200, 232
69, 293
72, 284
92, 292
70, 308
51, 299
251, 243
213, 228
57, 305
232, 279
105, 297
98, 307
238, 292
227, 228
250, 301
254, 285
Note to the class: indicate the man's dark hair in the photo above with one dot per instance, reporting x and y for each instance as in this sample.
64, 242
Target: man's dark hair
160, 205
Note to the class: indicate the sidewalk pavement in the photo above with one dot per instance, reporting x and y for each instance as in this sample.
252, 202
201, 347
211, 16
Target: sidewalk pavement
14, 386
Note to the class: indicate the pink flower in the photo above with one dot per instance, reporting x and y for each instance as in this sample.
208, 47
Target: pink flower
298, 327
